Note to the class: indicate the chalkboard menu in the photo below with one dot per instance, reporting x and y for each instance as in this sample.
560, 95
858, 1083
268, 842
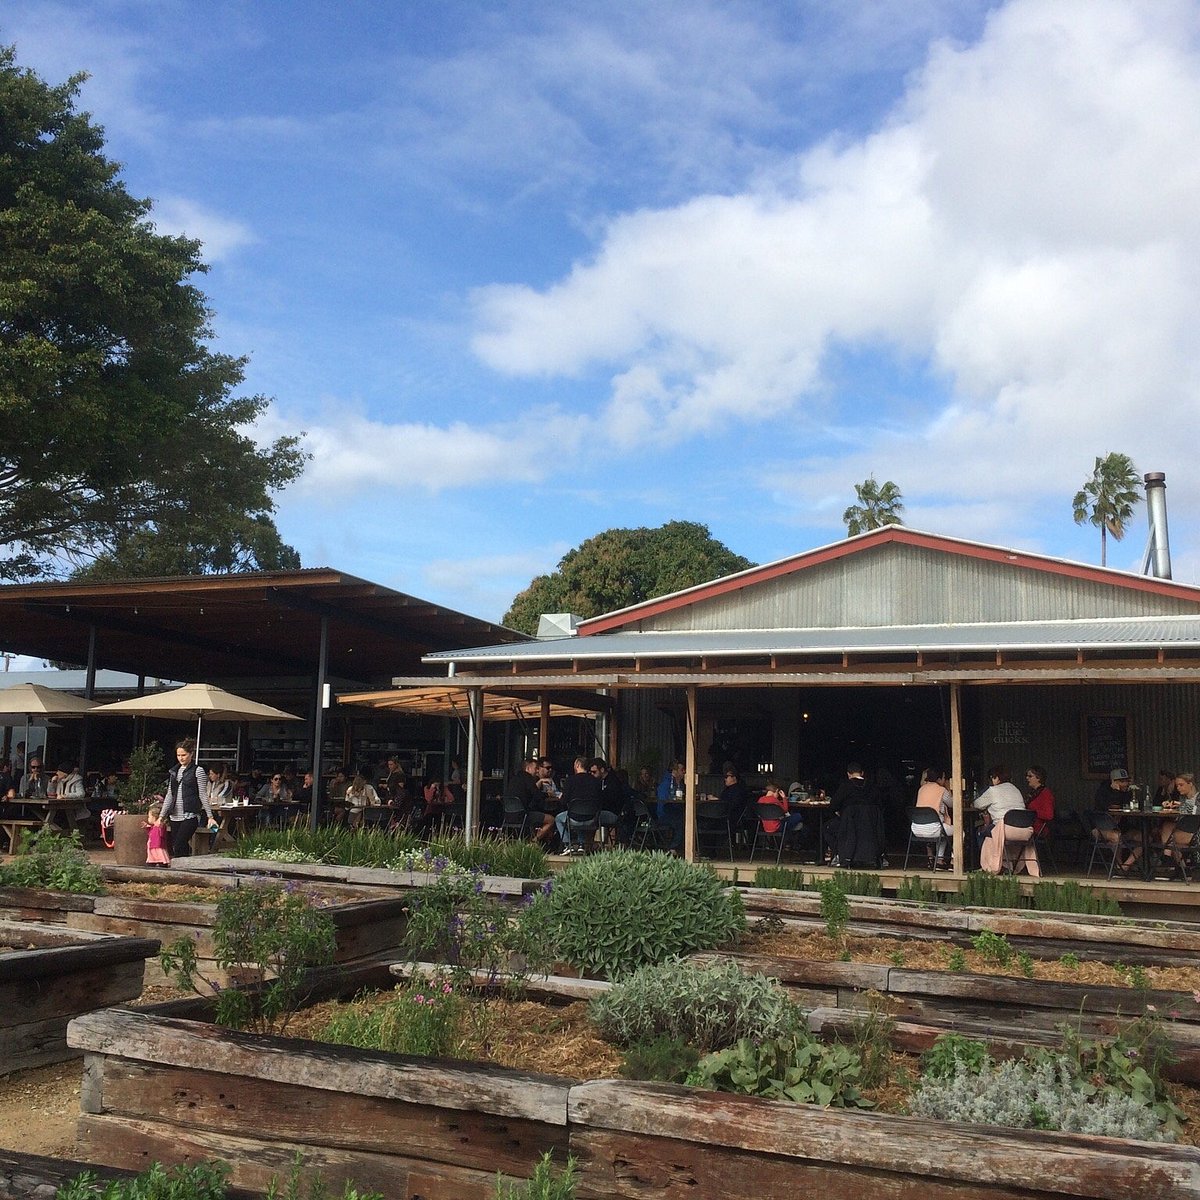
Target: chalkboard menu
1107, 742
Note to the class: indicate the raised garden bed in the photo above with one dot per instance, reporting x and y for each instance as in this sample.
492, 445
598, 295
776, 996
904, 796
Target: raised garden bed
49, 975
368, 921
158, 1087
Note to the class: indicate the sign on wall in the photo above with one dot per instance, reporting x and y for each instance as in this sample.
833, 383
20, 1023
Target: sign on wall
1106, 743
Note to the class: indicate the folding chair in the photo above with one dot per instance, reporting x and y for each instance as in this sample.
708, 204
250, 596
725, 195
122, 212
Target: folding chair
1180, 846
648, 832
1043, 841
768, 814
516, 818
925, 828
1098, 825
712, 824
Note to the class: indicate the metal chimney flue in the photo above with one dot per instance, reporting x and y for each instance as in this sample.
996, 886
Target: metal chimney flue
1158, 549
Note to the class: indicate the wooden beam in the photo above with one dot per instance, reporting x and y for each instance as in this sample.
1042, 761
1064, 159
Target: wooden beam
689, 809
956, 777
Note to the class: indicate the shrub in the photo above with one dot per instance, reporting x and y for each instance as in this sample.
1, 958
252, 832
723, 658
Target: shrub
58, 863
871, 1039
957, 960
952, 1052
835, 908
663, 1060
794, 1067
854, 883
421, 1017
983, 890
1071, 897
271, 936
546, 1183
709, 1007
147, 770
918, 889
992, 947
1045, 1094
617, 911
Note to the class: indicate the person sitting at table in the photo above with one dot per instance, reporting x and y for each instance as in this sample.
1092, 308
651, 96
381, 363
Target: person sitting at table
70, 787
33, 786
791, 822
670, 804
580, 801
855, 832
1003, 796
1186, 803
220, 786
1041, 799
736, 798
934, 794
1113, 793
395, 783
360, 795
1165, 793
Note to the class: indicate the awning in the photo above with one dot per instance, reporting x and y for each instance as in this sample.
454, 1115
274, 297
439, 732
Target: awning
450, 700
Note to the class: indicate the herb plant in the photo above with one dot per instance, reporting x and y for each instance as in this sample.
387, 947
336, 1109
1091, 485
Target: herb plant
270, 936
55, 862
420, 1018
546, 1183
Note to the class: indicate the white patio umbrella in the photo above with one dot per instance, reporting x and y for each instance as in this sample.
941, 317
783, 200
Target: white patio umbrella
195, 700
30, 700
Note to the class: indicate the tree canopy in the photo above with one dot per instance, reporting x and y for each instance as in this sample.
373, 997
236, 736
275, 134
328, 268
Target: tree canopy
878, 505
123, 442
620, 567
1108, 499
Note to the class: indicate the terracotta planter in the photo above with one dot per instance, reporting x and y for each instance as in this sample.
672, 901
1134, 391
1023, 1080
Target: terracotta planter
129, 839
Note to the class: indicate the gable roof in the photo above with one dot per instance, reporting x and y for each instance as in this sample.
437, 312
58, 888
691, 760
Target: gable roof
899, 535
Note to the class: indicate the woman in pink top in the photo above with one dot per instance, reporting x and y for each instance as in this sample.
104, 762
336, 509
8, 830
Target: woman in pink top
933, 794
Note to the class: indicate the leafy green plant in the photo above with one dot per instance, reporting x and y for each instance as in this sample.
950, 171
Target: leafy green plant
835, 909
708, 1006
54, 862
203, 1181
871, 1039
1025, 962
793, 1067
957, 960
768, 923
1072, 897
546, 1183
896, 958
661, 1060
992, 947
422, 1017
952, 1052
612, 913
480, 940
984, 890
854, 883
1070, 960
918, 889
147, 774
269, 936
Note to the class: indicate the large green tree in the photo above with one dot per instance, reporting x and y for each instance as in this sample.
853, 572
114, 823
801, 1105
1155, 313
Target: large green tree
877, 505
1108, 499
620, 567
122, 440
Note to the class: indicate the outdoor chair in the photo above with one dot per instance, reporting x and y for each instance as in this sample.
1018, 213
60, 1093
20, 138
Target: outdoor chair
768, 814
515, 821
648, 832
712, 828
1043, 841
586, 818
1099, 824
1180, 848
925, 829
1018, 840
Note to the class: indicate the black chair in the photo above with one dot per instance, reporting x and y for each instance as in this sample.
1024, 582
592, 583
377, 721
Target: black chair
1021, 819
1043, 844
1099, 824
648, 832
1180, 848
515, 822
768, 814
583, 819
925, 828
712, 827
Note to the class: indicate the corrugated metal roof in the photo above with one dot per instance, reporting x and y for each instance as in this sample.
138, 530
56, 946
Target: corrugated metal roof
1142, 633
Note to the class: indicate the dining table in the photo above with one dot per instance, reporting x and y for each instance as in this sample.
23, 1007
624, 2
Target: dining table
1143, 819
234, 820
820, 809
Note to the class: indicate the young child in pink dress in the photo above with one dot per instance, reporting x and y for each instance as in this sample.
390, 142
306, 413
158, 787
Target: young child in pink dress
156, 839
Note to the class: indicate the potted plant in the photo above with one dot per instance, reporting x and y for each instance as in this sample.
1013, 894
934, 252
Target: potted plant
147, 770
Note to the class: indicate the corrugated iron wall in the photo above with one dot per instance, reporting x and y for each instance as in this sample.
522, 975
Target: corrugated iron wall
910, 585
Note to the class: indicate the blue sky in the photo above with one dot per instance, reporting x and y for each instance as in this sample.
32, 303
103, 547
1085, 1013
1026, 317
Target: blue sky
524, 272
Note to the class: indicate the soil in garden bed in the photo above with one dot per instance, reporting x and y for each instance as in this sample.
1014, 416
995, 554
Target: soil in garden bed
321, 894
920, 954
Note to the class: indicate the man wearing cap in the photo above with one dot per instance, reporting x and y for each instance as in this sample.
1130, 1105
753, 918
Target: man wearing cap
1114, 793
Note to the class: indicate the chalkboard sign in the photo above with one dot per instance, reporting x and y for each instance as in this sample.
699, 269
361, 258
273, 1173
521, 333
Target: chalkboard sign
1107, 743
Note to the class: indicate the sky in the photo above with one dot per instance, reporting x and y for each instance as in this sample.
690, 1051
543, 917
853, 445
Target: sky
523, 272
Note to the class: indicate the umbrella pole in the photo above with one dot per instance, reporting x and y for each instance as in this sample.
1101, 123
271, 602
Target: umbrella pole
199, 723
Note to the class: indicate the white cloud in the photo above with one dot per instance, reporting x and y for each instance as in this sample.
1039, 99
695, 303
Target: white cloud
221, 235
1025, 221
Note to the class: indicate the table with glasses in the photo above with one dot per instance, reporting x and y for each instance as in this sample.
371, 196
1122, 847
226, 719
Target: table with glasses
234, 820
1130, 816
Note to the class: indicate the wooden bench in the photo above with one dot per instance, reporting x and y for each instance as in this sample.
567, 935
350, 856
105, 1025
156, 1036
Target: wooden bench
12, 830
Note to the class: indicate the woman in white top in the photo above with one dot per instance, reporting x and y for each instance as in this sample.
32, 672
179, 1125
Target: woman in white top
219, 786
933, 794
1003, 796
359, 795
70, 787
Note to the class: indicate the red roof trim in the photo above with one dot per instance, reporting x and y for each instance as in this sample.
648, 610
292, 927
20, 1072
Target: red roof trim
877, 537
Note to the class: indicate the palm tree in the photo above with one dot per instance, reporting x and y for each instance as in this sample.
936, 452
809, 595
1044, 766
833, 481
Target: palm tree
1108, 498
877, 506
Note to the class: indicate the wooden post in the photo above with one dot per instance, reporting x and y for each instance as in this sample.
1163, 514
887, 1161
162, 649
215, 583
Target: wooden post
956, 777
689, 803
543, 747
